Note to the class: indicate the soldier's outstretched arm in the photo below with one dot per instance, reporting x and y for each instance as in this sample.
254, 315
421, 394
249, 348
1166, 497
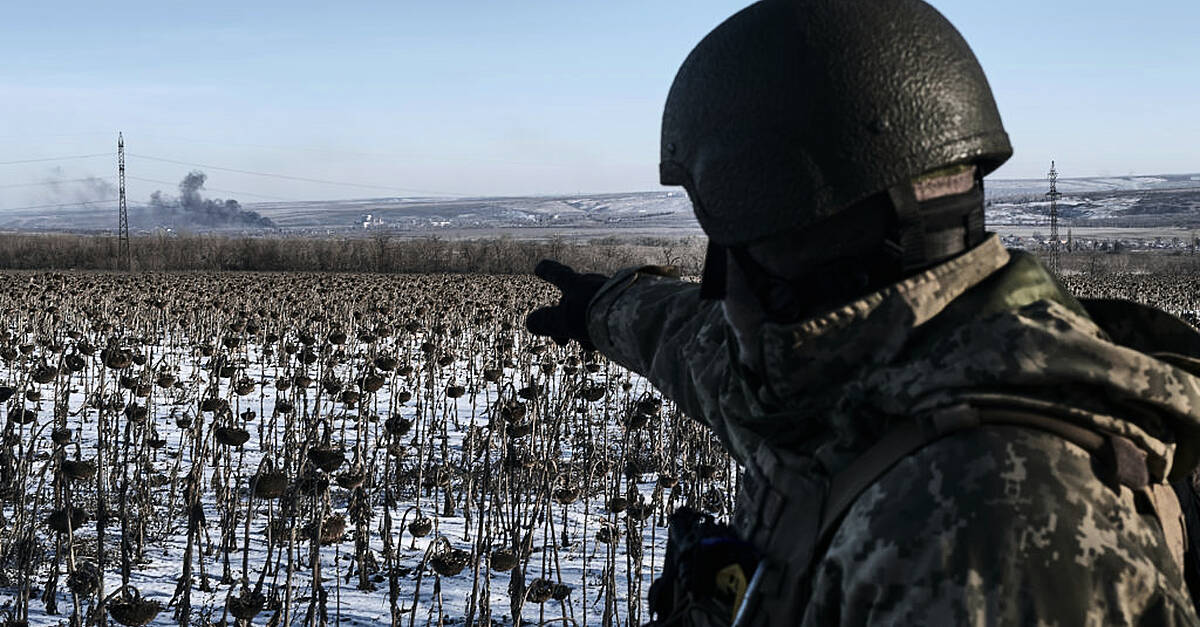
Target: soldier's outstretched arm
647, 320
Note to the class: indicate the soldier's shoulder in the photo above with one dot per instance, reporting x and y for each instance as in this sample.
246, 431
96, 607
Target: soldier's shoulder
999, 522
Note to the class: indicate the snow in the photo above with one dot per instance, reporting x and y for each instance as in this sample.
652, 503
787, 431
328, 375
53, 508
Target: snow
580, 563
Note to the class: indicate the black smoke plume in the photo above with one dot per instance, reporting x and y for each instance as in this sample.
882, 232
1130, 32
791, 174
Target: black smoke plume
192, 209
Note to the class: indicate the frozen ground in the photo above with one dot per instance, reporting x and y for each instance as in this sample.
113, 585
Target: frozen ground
482, 506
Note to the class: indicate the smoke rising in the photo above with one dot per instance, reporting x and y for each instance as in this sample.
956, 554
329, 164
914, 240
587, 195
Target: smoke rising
192, 209
60, 189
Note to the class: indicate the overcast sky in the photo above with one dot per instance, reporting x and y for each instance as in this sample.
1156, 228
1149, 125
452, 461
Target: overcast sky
508, 97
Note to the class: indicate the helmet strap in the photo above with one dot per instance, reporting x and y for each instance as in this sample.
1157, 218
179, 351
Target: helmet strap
906, 234
924, 233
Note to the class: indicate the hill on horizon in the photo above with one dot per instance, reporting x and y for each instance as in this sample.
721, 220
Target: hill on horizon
1161, 200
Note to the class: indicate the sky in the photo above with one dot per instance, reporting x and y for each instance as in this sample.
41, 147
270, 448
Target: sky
368, 99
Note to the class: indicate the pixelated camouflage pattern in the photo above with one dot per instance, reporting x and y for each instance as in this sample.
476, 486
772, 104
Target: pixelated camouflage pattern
992, 525
964, 533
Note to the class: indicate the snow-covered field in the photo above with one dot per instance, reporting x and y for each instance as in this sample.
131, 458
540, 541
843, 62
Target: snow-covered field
481, 474
423, 393
1000, 189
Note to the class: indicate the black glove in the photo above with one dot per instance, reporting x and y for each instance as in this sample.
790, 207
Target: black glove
568, 319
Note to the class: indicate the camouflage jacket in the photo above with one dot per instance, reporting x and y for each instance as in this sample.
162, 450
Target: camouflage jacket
1005, 525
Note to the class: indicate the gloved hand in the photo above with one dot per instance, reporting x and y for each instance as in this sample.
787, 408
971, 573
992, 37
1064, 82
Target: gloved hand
568, 319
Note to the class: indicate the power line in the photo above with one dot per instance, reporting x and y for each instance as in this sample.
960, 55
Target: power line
1053, 195
123, 248
213, 189
99, 154
55, 206
96, 202
50, 183
295, 178
144, 180
223, 169
135, 178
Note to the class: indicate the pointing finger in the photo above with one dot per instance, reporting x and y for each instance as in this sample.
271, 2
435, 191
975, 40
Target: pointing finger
560, 275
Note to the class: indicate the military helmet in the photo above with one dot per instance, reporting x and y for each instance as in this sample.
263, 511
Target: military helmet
793, 110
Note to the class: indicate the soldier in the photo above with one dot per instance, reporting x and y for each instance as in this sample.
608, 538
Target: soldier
933, 430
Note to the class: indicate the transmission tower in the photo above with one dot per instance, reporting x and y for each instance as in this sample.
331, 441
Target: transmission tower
124, 255
1053, 195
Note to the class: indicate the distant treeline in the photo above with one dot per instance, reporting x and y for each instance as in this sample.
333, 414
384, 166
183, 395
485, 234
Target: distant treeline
1165, 262
499, 255
383, 253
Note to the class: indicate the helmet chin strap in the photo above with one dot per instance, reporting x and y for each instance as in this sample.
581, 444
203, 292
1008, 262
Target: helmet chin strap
906, 233
924, 233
